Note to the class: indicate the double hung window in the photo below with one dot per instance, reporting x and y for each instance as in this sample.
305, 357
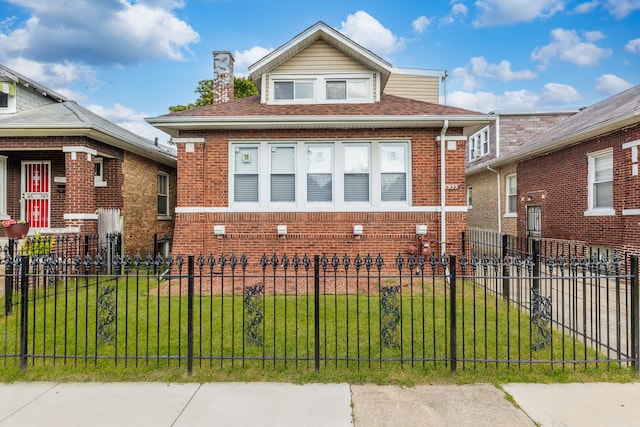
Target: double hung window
319, 175
601, 183
511, 190
163, 194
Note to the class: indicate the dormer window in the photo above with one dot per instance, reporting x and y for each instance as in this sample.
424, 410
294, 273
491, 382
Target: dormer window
7, 97
346, 90
321, 89
291, 90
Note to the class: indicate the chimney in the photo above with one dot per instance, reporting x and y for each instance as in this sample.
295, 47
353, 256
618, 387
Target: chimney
222, 76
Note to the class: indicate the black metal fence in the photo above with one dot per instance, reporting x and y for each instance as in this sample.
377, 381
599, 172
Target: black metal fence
319, 312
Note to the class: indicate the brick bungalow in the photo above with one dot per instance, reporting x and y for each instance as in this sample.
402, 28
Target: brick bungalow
579, 179
340, 153
61, 165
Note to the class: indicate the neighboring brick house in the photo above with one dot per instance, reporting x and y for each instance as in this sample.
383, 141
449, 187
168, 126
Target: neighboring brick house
490, 184
579, 180
331, 157
60, 164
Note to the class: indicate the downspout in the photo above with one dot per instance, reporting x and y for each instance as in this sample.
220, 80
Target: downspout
443, 196
499, 199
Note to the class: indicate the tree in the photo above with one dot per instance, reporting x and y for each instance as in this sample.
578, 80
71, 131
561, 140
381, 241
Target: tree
242, 88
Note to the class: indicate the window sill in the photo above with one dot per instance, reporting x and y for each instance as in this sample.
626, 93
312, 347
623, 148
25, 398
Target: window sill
100, 184
511, 215
164, 218
600, 212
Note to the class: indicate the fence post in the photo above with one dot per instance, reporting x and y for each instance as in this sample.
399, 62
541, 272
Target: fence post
316, 311
24, 315
464, 243
506, 293
452, 312
190, 287
535, 245
8, 281
635, 306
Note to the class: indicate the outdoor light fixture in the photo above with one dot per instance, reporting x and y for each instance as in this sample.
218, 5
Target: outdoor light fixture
282, 230
421, 229
218, 230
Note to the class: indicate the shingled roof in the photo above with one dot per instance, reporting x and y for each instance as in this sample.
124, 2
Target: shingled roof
249, 113
69, 118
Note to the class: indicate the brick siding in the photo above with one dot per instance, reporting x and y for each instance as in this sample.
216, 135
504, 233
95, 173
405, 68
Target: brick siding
558, 183
203, 182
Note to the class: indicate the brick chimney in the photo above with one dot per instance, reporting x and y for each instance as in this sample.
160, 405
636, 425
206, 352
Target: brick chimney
222, 76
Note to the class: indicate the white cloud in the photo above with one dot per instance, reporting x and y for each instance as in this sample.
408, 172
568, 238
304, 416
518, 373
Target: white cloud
586, 7
457, 10
368, 32
558, 94
486, 101
244, 59
633, 46
552, 95
609, 84
506, 12
121, 32
421, 23
129, 119
478, 67
567, 45
622, 8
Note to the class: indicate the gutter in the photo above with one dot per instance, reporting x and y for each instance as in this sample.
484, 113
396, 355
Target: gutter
443, 196
499, 198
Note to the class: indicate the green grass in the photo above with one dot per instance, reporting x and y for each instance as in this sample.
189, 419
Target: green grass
154, 325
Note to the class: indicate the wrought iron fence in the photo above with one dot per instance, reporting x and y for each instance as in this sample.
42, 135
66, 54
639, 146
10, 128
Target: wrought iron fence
320, 312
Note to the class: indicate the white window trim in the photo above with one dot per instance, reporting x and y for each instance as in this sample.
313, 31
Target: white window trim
508, 214
319, 88
476, 150
591, 211
168, 215
301, 204
469, 195
98, 180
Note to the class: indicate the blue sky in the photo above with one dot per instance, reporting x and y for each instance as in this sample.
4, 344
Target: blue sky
127, 59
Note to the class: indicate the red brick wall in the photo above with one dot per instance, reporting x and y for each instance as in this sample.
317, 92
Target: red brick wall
203, 182
558, 182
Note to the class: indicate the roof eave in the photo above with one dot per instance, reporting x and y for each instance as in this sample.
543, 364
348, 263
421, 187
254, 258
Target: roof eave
92, 132
173, 125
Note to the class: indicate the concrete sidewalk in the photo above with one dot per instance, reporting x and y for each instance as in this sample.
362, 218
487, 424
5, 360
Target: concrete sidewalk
277, 404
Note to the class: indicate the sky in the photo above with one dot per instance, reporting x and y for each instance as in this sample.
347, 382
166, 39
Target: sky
130, 59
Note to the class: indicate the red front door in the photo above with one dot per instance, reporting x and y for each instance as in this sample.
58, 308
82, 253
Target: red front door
36, 192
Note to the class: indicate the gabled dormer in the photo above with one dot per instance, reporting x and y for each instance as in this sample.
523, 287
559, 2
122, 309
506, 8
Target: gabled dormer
320, 66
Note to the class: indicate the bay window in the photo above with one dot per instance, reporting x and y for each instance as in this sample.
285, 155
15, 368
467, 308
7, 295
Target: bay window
319, 174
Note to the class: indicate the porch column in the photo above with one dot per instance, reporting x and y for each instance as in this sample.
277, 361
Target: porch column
80, 206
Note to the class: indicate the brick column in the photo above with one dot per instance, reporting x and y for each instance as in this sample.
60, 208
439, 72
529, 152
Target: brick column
80, 207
